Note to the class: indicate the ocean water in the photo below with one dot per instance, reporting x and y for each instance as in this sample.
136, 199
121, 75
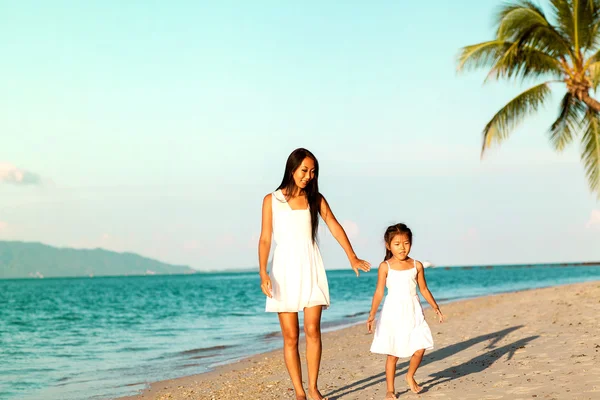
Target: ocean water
101, 338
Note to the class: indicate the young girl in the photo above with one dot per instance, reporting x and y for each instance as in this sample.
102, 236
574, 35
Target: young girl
297, 281
401, 330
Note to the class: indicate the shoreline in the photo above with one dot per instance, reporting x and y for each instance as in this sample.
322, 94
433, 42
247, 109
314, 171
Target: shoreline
458, 367
34, 277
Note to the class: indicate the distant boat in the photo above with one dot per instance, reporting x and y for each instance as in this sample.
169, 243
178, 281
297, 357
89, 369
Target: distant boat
427, 264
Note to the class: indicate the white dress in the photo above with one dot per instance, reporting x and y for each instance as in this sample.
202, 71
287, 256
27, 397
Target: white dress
297, 275
401, 328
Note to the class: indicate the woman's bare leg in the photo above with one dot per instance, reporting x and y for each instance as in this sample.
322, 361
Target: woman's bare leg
290, 331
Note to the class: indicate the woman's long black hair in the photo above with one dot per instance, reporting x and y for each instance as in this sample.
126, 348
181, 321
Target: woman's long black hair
312, 189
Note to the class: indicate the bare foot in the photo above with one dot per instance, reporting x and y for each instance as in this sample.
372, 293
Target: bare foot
390, 396
413, 385
300, 397
315, 395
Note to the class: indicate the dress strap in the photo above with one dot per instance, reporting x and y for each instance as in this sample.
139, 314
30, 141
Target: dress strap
414, 263
388, 264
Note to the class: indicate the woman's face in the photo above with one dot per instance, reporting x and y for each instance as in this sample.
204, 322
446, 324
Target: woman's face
304, 173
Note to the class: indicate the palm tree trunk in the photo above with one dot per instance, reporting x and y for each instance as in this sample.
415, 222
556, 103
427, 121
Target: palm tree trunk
590, 101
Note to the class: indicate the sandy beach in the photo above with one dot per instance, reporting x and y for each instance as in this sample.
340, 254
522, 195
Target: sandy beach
542, 343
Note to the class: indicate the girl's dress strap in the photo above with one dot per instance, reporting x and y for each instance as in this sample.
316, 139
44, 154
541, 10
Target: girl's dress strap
414, 263
388, 264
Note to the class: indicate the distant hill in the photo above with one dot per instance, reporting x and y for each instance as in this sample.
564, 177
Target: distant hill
36, 260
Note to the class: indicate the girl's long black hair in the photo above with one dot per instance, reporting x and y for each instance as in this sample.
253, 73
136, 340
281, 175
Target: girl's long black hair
312, 189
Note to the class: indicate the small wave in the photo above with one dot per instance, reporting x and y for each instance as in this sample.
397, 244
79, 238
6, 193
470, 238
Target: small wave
272, 335
68, 317
164, 335
204, 350
201, 357
36, 370
134, 349
136, 384
72, 381
188, 366
358, 314
64, 355
239, 314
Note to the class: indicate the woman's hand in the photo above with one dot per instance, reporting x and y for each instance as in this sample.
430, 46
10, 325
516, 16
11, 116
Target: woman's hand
357, 264
440, 315
265, 285
370, 323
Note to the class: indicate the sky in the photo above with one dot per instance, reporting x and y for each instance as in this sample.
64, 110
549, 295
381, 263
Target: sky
158, 127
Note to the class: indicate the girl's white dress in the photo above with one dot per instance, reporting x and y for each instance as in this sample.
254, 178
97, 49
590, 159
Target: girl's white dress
297, 275
401, 328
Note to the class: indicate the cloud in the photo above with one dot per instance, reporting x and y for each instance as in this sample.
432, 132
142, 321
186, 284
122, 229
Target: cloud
594, 220
17, 176
3, 226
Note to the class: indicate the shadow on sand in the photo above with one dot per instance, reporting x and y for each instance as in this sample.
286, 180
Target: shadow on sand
473, 366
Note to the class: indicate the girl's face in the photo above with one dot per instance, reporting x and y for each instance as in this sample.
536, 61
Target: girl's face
304, 173
399, 246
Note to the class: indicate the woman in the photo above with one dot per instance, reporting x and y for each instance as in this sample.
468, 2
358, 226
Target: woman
297, 281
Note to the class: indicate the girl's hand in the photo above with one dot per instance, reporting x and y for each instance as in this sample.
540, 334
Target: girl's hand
357, 264
265, 285
370, 323
440, 315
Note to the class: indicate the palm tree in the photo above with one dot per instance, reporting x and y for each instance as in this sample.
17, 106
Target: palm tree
563, 49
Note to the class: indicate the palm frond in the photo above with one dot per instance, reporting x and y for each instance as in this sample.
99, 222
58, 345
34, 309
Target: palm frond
481, 54
586, 18
594, 74
563, 15
590, 152
508, 60
593, 40
544, 38
566, 126
525, 23
594, 57
506, 9
578, 21
505, 120
594, 37
524, 62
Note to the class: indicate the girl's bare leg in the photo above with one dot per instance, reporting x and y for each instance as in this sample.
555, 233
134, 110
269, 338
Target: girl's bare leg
390, 376
415, 361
